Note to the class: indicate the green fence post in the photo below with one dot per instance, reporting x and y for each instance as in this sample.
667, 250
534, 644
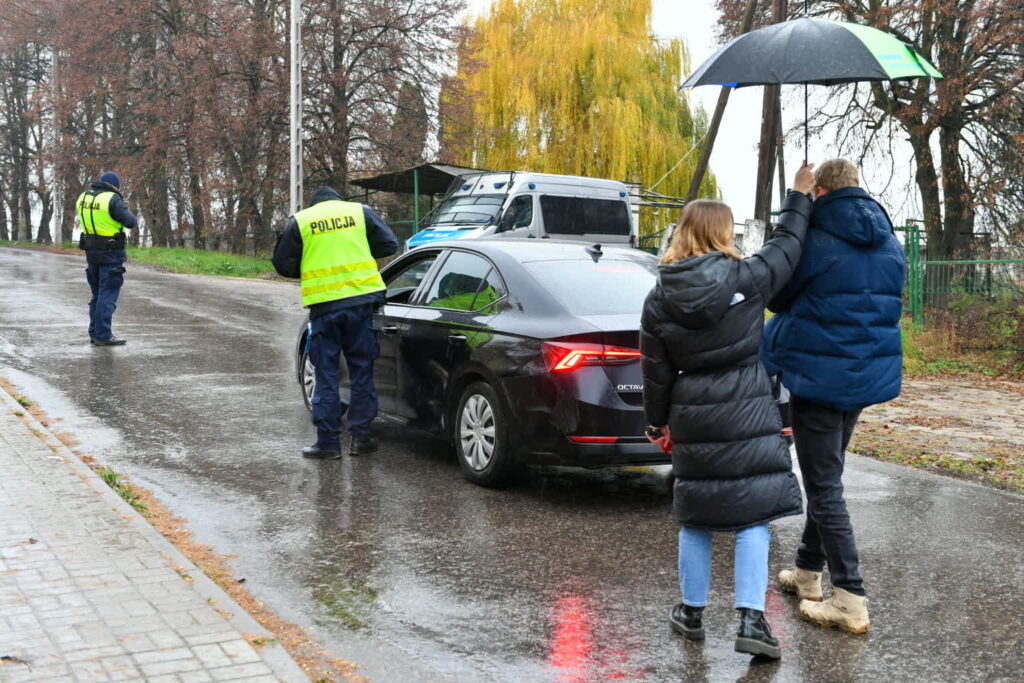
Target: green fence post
917, 277
416, 197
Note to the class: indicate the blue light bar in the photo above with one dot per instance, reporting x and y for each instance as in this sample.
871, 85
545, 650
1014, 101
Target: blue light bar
533, 186
622, 194
465, 187
498, 186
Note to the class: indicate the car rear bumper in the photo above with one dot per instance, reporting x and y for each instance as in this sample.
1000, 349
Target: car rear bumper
625, 451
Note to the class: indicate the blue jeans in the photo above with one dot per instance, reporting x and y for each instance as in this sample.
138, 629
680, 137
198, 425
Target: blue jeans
105, 280
751, 573
348, 331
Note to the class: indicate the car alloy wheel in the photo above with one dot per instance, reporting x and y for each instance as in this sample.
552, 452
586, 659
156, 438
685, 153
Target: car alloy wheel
480, 432
476, 432
308, 380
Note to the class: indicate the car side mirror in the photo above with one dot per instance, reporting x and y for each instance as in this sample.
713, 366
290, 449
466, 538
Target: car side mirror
508, 221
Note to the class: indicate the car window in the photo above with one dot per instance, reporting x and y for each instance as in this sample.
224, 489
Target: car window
608, 287
402, 283
461, 276
579, 215
492, 289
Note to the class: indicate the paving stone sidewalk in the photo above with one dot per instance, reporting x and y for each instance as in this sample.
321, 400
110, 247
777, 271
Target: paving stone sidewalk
89, 591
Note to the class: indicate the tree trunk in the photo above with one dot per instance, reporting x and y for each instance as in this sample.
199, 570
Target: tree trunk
43, 235
928, 185
4, 235
158, 210
958, 209
196, 199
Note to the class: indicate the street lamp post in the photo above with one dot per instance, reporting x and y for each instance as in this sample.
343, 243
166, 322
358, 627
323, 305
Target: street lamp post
295, 107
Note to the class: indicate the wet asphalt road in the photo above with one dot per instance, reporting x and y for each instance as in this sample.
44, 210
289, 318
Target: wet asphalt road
396, 563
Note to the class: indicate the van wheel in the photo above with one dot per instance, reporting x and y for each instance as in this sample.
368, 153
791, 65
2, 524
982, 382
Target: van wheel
480, 435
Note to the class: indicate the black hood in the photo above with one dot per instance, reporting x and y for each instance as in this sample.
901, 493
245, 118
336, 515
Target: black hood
324, 194
696, 292
101, 186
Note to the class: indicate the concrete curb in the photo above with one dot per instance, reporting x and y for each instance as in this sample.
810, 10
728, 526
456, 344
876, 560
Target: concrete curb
273, 655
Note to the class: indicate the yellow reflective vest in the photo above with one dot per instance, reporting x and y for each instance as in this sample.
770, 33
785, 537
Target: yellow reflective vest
94, 213
336, 258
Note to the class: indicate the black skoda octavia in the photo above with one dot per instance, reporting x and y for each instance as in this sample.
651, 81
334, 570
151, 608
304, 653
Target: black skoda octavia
517, 351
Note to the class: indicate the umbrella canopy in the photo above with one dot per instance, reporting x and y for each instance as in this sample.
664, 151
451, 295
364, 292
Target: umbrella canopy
816, 51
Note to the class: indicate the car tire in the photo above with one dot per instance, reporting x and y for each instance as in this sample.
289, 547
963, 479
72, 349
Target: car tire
307, 380
480, 434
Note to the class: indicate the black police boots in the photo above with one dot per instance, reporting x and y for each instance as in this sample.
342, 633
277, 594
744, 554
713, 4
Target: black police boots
754, 636
318, 453
113, 341
688, 621
363, 444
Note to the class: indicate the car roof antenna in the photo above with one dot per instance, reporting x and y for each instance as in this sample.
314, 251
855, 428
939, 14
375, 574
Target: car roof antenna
595, 252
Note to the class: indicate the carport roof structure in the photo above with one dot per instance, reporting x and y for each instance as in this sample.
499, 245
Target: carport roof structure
422, 179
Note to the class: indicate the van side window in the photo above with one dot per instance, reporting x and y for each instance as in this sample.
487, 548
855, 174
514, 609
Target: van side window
522, 208
584, 215
519, 213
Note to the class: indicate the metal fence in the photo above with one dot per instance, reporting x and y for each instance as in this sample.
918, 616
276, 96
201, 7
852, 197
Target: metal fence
941, 285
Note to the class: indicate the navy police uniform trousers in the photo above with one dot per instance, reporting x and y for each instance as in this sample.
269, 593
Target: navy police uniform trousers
105, 273
347, 331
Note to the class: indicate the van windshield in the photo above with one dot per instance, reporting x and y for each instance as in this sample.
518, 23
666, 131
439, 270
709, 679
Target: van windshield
467, 210
584, 215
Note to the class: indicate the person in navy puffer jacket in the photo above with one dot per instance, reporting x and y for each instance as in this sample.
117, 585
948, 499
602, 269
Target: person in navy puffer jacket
835, 341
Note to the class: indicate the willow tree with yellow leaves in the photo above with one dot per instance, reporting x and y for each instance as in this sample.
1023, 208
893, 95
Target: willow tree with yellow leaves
573, 86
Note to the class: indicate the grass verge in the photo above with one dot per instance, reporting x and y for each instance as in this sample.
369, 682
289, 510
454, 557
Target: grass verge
179, 260
995, 464
123, 489
200, 262
315, 661
939, 349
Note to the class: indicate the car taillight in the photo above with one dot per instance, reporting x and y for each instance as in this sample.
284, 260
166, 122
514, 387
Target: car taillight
566, 357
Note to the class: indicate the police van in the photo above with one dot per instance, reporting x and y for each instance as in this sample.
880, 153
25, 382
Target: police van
532, 205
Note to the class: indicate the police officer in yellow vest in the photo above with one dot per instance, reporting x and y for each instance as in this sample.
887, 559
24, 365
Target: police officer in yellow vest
332, 247
103, 216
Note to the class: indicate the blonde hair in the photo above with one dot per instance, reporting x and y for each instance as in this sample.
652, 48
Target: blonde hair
836, 174
704, 226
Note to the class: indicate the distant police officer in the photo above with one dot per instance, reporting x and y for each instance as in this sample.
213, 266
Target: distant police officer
103, 216
332, 246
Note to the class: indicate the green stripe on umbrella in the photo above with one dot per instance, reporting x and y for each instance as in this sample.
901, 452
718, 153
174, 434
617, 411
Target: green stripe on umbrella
893, 55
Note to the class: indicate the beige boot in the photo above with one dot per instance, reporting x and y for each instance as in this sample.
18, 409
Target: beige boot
843, 610
806, 584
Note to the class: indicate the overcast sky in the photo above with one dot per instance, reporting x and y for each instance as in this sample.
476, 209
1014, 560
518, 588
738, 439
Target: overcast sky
734, 159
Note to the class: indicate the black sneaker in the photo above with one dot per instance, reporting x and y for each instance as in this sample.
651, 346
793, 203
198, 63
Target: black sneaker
754, 636
688, 621
362, 444
113, 341
318, 453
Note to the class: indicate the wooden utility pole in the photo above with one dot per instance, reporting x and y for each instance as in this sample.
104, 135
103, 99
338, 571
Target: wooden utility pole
716, 119
768, 147
781, 150
295, 107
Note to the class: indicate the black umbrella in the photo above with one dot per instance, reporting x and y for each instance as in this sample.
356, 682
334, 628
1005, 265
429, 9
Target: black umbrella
811, 51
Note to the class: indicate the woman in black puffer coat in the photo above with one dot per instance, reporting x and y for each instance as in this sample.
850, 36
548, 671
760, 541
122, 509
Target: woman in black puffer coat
707, 392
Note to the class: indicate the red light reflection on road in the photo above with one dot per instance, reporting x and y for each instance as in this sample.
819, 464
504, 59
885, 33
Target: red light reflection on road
577, 651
